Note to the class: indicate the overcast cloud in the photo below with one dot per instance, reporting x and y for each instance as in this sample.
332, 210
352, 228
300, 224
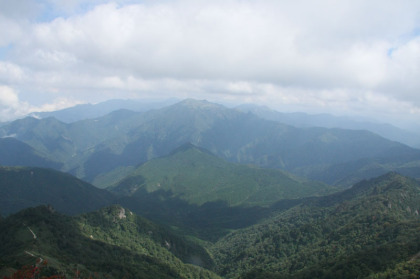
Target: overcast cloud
345, 57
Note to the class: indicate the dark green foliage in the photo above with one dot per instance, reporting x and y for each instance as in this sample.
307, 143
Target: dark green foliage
121, 227
22, 187
357, 233
209, 221
65, 243
405, 269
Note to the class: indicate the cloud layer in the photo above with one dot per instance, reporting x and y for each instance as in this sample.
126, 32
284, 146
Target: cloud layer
345, 56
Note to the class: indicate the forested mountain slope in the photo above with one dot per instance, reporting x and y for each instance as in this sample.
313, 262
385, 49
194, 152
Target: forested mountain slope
372, 228
206, 196
22, 187
16, 153
110, 243
196, 176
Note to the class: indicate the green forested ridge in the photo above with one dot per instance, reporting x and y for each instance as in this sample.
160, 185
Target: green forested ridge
22, 187
109, 246
206, 196
370, 229
196, 176
118, 226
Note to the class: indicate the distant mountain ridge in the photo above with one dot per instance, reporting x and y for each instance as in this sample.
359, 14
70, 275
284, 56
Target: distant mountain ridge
90, 111
304, 120
114, 144
245, 138
297, 119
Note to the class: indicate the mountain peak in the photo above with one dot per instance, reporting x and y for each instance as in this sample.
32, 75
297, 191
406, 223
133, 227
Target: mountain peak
199, 104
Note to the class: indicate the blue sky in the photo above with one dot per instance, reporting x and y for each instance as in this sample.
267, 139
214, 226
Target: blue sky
357, 57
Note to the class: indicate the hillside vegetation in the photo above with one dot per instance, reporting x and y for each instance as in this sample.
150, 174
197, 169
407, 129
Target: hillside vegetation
22, 187
195, 175
198, 190
372, 228
111, 243
368, 231
16, 153
206, 196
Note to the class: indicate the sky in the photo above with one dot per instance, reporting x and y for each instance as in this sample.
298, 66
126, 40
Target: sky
347, 57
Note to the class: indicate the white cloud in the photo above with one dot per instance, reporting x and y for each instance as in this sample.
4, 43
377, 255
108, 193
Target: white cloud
57, 104
10, 72
8, 97
9, 31
324, 53
404, 70
207, 40
11, 107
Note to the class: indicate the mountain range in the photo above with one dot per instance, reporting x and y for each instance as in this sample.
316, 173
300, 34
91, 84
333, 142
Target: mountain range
89, 111
297, 119
305, 120
198, 190
118, 142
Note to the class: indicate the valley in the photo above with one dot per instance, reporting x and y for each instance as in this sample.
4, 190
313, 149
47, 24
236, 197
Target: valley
194, 189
